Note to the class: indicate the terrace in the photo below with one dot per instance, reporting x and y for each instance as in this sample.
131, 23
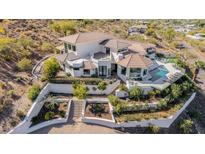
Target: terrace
100, 56
161, 76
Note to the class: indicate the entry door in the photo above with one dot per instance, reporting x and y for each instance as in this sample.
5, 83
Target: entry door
102, 70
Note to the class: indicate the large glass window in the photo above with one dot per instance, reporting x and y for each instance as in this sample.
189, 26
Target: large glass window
145, 72
103, 70
73, 48
135, 70
69, 46
66, 47
86, 72
123, 49
123, 70
76, 69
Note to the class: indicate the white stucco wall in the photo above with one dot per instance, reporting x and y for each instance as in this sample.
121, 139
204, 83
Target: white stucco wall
163, 123
88, 48
68, 89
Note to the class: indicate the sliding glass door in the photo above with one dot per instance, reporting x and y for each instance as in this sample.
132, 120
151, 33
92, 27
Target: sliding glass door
102, 70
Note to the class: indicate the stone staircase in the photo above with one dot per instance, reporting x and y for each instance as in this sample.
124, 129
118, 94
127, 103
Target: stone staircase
75, 111
174, 77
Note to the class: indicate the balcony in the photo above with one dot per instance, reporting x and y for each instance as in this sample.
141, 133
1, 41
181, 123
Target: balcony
100, 57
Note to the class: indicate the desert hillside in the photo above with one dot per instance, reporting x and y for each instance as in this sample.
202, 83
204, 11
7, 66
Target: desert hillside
24, 42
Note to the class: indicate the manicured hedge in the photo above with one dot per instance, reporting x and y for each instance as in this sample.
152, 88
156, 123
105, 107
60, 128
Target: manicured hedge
72, 80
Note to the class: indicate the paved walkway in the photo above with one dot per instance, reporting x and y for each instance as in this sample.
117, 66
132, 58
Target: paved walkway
76, 128
36, 72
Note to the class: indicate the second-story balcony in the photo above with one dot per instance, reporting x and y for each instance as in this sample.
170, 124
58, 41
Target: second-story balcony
100, 57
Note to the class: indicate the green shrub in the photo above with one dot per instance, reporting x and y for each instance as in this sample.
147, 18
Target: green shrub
113, 100
154, 129
43, 79
73, 80
20, 114
11, 93
2, 30
50, 68
4, 104
62, 113
186, 126
119, 108
162, 104
153, 93
33, 92
94, 88
65, 27
135, 93
123, 87
24, 64
175, 91
80, 91
102, 85
97, 108
2, 85
49, 115
68, 74
18, 79
24, 42
200, 64
47, 47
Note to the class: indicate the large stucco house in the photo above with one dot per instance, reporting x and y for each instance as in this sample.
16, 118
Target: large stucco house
95, 54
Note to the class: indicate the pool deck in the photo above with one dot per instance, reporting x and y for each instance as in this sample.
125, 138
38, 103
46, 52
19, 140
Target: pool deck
155, 73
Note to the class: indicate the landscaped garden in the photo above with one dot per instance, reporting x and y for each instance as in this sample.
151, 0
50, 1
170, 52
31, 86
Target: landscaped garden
140, 107
52, 109
98, 110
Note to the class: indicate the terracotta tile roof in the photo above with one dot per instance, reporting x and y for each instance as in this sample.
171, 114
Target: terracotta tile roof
85, 37
141, 48
135, 61
89, 65
118, 44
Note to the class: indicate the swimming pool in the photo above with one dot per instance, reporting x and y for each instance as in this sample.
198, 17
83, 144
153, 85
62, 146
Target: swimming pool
162, 72
158, 73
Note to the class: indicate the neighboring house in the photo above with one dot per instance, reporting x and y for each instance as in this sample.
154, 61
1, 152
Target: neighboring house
137, 29
101, 55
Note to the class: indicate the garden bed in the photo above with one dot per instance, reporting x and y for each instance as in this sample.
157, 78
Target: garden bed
170, 110
51, 110
98, 110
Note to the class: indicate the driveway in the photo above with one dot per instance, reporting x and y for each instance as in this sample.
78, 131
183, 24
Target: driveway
76, 128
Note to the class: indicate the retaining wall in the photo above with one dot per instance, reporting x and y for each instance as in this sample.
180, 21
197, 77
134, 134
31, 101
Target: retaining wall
23, 127
98, 121
68, 89
164, 123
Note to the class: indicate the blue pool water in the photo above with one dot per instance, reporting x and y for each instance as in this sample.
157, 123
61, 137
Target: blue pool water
158, 73
161, 72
